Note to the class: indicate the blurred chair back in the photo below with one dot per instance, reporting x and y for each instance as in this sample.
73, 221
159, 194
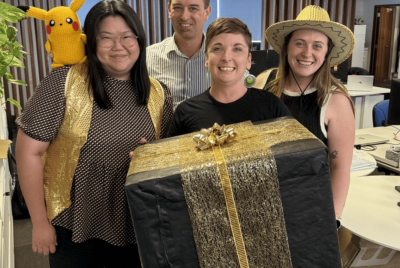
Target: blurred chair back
341, 71
380, 113
394, 105
357, 71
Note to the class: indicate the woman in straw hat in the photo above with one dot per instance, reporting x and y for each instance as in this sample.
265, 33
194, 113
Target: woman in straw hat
309, 46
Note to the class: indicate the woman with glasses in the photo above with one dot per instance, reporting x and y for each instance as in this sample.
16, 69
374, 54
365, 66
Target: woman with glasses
82, 122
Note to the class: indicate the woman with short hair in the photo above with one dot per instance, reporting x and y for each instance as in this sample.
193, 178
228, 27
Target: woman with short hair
230, 99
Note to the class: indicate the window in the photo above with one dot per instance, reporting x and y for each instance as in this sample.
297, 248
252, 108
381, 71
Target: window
249, 11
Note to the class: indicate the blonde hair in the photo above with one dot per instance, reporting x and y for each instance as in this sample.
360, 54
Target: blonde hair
323, 80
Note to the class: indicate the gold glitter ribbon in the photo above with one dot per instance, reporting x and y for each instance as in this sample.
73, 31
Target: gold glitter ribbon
251, 169
231, 207
155, 105
215, 135
168, 154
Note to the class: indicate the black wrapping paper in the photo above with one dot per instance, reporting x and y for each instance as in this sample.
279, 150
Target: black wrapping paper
162, 223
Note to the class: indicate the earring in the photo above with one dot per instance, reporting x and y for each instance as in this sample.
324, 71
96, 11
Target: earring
208, 78
249, 80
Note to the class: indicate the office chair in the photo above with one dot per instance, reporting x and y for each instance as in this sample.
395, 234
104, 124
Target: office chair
341, 71
394, 105
357, 71
258, 61
273, 59
380, 113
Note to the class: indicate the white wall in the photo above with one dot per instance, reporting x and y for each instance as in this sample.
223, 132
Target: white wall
360, 9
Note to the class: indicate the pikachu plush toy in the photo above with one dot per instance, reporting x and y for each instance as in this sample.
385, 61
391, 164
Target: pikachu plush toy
66, 43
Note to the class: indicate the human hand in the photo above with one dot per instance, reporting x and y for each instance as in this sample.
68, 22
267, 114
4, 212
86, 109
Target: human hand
142, 141
44, 239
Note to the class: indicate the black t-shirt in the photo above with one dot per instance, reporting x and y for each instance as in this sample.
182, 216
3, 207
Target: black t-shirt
203, 111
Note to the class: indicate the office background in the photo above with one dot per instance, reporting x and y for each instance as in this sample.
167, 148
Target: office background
258, 14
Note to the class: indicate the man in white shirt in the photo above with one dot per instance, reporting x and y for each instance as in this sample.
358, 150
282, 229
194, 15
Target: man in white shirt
178, 61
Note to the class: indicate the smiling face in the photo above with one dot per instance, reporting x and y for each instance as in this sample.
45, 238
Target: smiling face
228, 58
306, 52
118, 60
188, 18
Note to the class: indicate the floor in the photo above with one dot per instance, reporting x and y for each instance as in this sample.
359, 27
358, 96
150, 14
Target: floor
24, 256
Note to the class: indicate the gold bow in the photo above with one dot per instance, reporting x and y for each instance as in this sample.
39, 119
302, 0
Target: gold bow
214, 136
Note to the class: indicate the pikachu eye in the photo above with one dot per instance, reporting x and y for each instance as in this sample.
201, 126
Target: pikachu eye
52, 23
69, 20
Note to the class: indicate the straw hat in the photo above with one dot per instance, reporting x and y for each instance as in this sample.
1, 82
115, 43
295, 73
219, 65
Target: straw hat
316, 18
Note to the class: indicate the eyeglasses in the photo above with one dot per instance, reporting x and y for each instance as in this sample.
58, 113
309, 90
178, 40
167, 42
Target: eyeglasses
108, 41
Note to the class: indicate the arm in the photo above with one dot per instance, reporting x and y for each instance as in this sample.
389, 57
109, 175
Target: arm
339, 118
30, 172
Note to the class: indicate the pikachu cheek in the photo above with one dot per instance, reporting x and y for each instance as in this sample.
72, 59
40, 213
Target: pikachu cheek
75, 25
48, 29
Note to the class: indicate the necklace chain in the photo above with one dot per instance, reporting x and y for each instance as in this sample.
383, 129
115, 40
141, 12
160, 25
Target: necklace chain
303, 104
301, 91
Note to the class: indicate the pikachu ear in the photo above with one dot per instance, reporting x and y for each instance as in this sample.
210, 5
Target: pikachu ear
37, 13
76, 5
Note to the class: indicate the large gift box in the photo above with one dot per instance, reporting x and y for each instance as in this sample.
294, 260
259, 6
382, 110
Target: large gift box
263, 199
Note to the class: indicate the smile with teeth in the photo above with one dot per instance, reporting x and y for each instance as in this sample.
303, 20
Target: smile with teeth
185, 24
230, 69
305, 63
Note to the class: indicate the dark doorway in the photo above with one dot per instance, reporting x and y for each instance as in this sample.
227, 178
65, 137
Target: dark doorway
381, 45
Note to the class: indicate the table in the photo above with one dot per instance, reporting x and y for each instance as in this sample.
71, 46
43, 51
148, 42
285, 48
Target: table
380, 152
371, 210
364, 102
362, 172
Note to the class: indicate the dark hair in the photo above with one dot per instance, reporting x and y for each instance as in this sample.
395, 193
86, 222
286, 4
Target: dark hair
206, 3
95, 73
228, 25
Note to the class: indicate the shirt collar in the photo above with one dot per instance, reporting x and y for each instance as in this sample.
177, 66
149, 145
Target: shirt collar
172, 46
296, 94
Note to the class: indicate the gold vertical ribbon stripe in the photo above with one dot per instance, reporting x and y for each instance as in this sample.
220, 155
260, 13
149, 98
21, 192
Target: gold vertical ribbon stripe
231, 207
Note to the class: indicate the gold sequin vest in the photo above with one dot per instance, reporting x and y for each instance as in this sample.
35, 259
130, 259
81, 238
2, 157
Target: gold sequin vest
61, 157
